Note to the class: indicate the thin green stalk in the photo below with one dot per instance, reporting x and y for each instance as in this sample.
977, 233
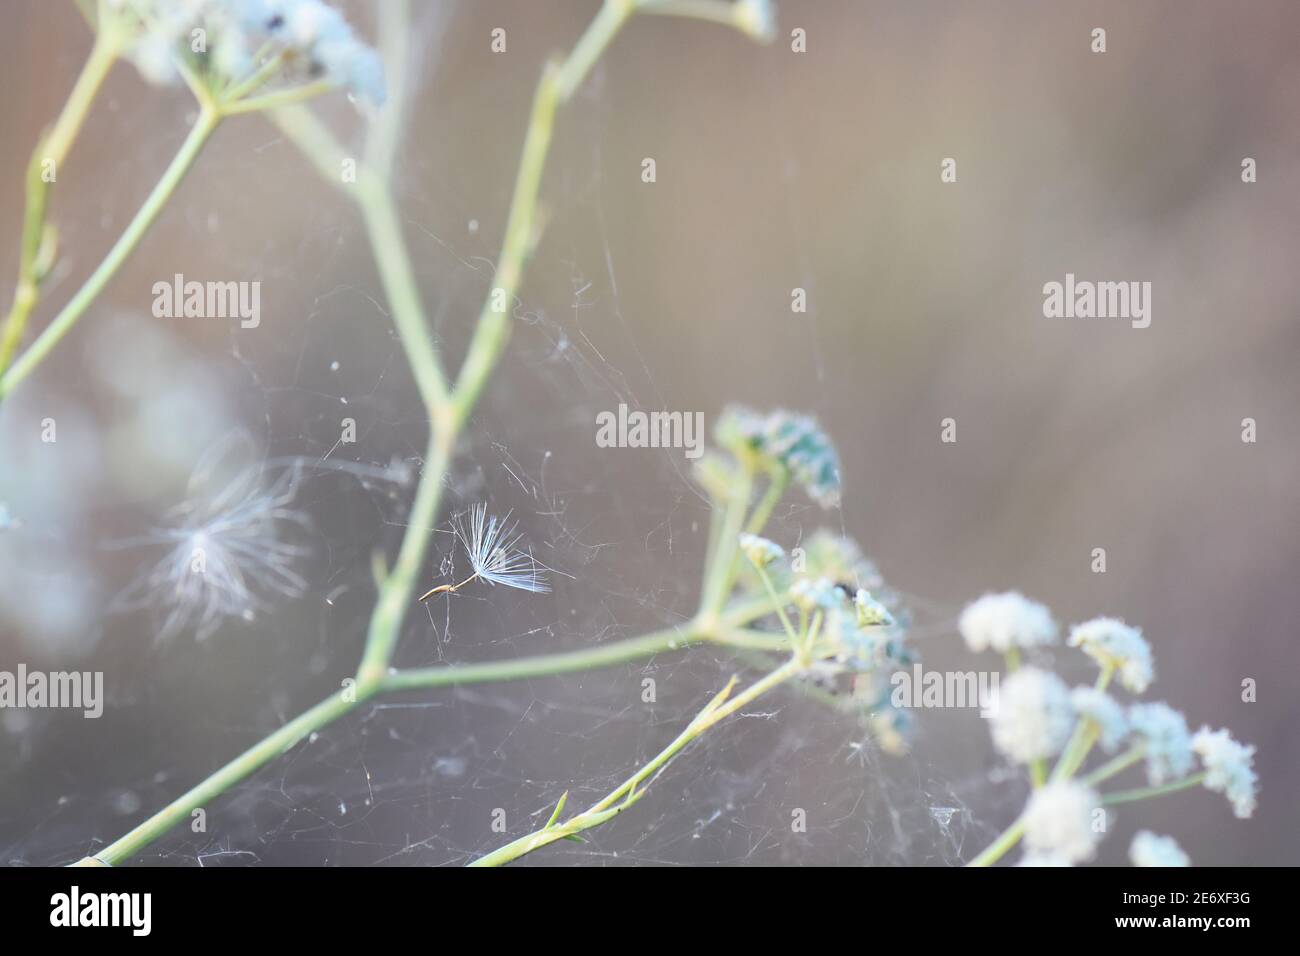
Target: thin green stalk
1115, 765
1142, 793
1084, 738
37, 237
125, 245
626, 794
265, 750
722, 572
1000, 847
777, 484
398, 591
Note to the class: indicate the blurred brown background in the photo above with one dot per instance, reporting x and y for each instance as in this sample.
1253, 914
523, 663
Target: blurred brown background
775, 170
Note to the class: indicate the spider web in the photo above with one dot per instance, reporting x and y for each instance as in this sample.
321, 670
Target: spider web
420, 778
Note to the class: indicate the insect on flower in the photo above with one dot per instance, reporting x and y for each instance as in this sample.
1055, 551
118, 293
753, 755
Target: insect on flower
492, 545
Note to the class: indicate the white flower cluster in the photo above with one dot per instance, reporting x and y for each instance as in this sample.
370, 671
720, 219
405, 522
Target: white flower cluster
1151, 849
223, 35
818, 594
1228, 768
1033, 717
1004, 622
1059, 822
1099, 707
871, 613
1113, 644
1167, 743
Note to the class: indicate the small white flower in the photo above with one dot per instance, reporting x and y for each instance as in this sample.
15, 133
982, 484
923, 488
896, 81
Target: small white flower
1112, 643
1059, 821
1151, 849
1168, 744
817, 595
871, 613
1099, 707
1033, 717
1001, 622
760, 550
1228, 768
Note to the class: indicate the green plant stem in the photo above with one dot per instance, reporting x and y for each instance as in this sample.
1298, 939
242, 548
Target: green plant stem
1115, 765
1085, 735
53, 147
1000, 847
180, 809
1143, 793
125, 245
626, 794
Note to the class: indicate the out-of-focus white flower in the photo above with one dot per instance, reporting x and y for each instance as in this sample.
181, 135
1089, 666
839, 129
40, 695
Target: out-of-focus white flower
1112, 643
871, 613
1151, 849
1003, 622
817, 595
1032, 718
1228, 768
757, 18
1059, 821
1099, 707
760, 550
1167, 742
228, 549
220, 37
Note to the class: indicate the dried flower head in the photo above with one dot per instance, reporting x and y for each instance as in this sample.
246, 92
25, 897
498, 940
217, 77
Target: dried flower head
1113, 644
1228, 768
789, 441
1151, 849
1166, 741
1059, 821
1003, 622
1033, 718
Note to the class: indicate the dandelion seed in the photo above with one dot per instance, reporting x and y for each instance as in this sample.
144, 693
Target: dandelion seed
1033, 719
1112, 643
1151, 849
227, 553
1165, 739
1058, 821
492, 545
1004, 622
1228, 768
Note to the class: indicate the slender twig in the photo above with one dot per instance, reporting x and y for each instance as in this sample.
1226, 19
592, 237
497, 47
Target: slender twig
627, 793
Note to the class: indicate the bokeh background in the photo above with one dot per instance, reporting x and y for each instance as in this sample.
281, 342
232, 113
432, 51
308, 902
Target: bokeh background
774, 171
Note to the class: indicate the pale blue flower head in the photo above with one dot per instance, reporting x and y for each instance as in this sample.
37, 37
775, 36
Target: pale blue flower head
1165, 739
